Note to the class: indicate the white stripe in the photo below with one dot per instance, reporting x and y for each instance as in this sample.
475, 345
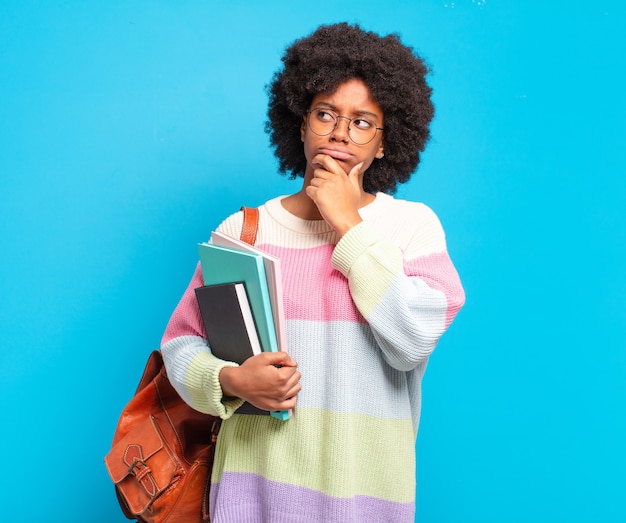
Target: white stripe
352, 361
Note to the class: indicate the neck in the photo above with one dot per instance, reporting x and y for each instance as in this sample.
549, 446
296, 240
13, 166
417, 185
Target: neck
300, 205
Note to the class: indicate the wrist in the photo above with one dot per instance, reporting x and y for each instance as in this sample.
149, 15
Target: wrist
228, 381
350, 248
343, 226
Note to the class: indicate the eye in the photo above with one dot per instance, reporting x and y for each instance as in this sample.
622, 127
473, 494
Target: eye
325, 116
362, 124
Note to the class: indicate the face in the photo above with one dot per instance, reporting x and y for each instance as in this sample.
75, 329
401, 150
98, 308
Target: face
351, 99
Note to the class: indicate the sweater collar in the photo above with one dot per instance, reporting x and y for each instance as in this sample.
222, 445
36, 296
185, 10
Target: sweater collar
276, 210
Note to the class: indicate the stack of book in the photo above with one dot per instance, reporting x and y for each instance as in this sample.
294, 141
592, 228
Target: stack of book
241, 303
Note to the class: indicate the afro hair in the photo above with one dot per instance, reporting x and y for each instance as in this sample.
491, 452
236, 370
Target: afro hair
395, 76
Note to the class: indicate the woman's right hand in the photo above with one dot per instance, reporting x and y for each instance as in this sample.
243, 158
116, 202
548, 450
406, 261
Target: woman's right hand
269, 381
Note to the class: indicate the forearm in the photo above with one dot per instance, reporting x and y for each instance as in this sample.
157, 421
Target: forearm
408, 305
194, 373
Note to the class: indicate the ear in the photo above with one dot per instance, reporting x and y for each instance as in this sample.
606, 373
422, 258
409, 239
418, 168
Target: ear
381, 150
303, 128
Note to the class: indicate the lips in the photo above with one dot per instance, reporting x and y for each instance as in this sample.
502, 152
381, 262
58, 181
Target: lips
336, 154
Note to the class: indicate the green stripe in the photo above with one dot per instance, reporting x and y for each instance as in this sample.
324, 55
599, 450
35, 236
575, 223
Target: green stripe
367, 291
202, 383
340, 455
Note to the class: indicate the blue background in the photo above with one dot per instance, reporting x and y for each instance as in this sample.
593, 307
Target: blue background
128, 130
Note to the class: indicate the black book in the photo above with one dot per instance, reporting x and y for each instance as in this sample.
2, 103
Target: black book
228, 321
229, 325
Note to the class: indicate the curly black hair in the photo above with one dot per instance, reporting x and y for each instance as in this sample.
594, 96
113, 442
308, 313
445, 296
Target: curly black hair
395, 76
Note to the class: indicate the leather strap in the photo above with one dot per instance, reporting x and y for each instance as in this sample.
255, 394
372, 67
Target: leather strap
250, 224
137, 466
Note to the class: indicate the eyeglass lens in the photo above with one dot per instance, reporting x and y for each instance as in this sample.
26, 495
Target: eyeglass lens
323, 122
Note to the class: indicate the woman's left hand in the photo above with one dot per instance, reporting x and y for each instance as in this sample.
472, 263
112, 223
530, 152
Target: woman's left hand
336, 194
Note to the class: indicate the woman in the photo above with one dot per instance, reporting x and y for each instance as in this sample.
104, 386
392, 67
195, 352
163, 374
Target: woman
369, 289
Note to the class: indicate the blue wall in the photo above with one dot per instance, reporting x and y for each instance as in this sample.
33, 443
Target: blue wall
128, 130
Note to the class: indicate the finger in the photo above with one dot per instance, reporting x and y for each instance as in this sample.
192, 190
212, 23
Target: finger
290, 376
294, 387
355, 172
288, 388
318, 179
328, 163
287, 404
291, 390
321, 174
279, 358
279, 399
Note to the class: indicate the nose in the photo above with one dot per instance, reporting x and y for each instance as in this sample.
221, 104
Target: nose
342, 129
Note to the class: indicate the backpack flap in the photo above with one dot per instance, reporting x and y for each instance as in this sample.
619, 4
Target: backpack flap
141, 471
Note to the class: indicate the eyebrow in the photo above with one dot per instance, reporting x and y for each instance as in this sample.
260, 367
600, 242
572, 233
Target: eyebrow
334, 108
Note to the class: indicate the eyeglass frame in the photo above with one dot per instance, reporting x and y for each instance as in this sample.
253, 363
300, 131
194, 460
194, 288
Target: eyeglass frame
309, 111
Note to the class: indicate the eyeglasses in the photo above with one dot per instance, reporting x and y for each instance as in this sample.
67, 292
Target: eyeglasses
360, 130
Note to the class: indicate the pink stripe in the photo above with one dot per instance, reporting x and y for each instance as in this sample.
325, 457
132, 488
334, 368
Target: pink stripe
186, 319
313, 289
438, 272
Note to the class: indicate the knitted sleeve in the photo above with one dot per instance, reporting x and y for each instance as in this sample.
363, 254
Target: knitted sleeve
409, 297
191, 367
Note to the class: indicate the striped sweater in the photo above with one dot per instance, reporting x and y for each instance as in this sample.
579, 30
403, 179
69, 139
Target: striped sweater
362, 317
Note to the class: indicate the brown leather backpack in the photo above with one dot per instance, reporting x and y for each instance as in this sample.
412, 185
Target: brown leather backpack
162, 453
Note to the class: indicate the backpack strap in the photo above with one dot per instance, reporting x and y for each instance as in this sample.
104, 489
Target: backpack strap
250, 224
